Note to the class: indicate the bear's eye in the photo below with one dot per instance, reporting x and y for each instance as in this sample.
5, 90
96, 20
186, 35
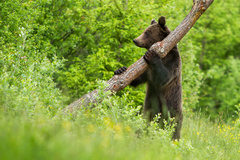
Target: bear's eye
146, 33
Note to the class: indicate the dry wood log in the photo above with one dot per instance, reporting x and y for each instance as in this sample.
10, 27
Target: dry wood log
118, 82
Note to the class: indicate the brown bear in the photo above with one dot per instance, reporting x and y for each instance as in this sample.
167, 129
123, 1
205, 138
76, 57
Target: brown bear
163, 77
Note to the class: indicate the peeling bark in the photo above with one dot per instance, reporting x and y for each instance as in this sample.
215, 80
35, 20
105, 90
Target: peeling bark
119, 82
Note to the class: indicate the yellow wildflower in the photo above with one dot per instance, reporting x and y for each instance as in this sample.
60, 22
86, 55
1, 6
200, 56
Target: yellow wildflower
66, 125
91, 128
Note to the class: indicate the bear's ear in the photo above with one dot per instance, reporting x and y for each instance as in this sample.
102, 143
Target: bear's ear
153, 21
162, 21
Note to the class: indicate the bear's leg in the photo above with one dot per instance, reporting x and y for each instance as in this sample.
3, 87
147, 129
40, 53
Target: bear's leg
178, 127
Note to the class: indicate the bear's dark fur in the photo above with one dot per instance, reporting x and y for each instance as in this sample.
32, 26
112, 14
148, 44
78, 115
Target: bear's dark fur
164, 88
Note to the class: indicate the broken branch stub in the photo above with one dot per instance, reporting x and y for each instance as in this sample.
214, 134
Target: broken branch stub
119, 82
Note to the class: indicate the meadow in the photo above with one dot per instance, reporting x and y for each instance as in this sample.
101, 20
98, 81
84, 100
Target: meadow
109, 131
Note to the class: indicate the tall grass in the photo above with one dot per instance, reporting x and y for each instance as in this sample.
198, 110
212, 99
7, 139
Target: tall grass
109, 132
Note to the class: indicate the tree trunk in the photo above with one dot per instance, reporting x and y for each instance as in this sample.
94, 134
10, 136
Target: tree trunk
118, 82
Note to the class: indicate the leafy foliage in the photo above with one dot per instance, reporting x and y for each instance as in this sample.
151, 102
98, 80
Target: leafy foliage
218, 37
78, 42
26, 70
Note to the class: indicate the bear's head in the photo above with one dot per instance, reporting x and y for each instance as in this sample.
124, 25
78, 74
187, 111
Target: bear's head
156, 32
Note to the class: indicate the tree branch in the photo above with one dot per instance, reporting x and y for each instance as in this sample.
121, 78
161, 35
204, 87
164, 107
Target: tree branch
118, 82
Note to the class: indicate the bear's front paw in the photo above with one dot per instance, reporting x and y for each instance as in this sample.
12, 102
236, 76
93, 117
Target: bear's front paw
120, 70
149, 56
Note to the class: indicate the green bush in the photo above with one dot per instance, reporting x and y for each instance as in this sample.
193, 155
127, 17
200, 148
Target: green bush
74, 43
222, 89
26, 69
217, 36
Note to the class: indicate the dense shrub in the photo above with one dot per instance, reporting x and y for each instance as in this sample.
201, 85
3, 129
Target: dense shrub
26, 67
77, 42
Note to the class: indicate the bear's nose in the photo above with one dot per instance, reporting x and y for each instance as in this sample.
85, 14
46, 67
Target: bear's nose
134, 41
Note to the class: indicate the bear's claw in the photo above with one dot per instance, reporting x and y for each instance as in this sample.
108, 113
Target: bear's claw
120, 70
149, 56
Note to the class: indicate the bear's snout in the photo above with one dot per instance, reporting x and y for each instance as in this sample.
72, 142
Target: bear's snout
135, 41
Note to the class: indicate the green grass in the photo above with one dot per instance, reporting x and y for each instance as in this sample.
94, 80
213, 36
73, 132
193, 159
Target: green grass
109, 133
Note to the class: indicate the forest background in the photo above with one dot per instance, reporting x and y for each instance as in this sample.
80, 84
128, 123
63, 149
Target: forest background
54, 51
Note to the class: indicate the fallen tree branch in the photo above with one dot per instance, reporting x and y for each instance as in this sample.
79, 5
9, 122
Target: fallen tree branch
118, 82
